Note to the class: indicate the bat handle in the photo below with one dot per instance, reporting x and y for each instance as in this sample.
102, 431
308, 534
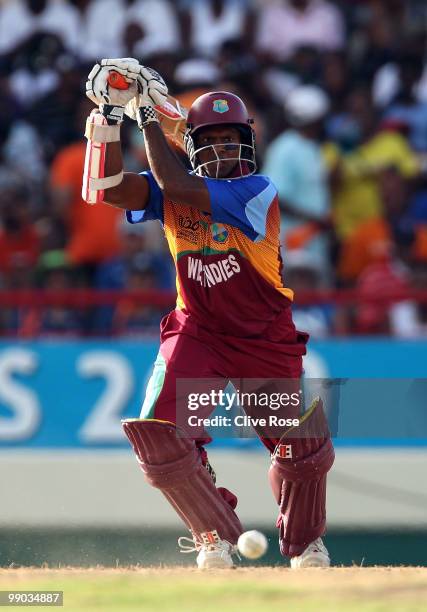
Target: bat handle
117, 80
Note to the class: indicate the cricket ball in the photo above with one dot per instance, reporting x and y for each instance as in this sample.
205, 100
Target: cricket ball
252, 544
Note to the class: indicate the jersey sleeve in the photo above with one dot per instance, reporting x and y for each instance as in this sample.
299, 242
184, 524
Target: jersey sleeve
242, 203
154, 208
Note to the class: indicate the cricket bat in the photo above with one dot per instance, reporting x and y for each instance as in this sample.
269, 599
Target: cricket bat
172, 116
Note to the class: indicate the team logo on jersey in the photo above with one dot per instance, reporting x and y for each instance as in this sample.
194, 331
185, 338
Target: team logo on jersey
220, 106
219, 233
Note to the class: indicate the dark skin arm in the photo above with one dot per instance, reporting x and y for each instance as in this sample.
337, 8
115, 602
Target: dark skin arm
173, 179
133, 192
171, 176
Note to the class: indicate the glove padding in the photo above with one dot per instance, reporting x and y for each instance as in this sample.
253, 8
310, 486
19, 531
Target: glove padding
100, 92
153, 91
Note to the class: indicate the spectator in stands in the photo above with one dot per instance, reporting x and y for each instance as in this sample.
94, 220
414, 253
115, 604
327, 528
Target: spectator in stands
159, 23
295, 163
132, 317
20, 145
23, 152
107, 20
54, 274
377, 41
302, 67
284, 25
410, 318
373, 159
364, 150
405, 105
19, 240
135, 253
395, 232
19, 248
194, 77
303, 273
132, 36
375, 260
102, 36
336, 79
33, 73
386, 277
11, 108
306, 63
374, 254
54, 113
385, 317
135, 259
207, 24
414, 220
20, 19
238, 63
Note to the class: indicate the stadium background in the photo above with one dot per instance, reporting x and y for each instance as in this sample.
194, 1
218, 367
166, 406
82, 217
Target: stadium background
82, 293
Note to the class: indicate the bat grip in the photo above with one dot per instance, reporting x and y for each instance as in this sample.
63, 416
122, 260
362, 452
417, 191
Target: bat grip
117, 80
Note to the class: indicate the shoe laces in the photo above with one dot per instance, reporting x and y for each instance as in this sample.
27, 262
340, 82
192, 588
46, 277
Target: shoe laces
189, 545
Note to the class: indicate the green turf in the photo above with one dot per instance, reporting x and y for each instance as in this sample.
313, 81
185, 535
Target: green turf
248, 590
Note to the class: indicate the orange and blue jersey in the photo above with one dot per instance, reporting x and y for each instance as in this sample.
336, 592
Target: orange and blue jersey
227, 261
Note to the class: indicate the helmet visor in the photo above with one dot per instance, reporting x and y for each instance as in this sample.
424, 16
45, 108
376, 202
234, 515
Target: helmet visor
223, 160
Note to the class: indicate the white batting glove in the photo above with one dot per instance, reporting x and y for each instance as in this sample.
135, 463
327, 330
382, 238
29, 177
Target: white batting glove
153, 92
100, 92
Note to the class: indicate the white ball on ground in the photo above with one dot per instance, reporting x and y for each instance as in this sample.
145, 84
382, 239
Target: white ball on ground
252, 544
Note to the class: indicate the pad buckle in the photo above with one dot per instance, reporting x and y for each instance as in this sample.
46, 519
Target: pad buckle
283, 451
210, 537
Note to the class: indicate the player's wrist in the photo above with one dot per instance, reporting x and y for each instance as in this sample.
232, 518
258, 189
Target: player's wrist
112, 113
146, 115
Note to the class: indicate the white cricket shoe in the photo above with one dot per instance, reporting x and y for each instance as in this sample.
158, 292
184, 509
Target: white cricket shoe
216, 555
315, 555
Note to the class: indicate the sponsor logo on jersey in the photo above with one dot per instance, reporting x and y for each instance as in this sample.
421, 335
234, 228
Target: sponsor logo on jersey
219, 233
220, 106
188, 229
187, 223
214, 273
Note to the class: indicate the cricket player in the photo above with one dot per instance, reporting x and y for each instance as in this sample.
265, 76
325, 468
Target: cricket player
233, 315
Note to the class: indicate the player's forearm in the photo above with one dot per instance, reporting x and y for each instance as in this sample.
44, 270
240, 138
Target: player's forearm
132, 193
172, 177
114, 165
170, 174
103, 177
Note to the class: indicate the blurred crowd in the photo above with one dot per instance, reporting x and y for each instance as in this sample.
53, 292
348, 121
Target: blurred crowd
338, 91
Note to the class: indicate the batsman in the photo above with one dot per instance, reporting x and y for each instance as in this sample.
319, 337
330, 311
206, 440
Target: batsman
233, 315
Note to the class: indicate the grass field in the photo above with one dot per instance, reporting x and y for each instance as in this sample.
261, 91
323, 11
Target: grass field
258, 589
